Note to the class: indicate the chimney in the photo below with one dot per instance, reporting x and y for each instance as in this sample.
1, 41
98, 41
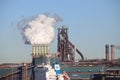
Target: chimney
112, 52
107, 52
40, 50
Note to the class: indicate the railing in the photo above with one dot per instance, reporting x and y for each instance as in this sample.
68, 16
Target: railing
20, 74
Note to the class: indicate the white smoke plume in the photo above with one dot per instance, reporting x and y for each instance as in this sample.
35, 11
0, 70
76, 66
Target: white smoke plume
38, 30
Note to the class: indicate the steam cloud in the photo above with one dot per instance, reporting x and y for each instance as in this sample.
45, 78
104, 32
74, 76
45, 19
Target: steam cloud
38, 30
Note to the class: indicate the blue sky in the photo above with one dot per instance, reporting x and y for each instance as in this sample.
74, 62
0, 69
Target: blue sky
91, 23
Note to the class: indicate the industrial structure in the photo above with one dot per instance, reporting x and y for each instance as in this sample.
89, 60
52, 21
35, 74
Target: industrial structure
40, 54
107, 52
112, 52
66, 49
42, 65
40, 50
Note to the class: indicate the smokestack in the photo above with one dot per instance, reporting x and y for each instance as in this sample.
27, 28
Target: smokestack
33, 50
112, 52
40, 50
107, 52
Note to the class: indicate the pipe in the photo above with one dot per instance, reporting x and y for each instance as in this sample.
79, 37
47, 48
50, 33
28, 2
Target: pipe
38, 50
74, 53
76, 50
33, 50
48, 49
43, 49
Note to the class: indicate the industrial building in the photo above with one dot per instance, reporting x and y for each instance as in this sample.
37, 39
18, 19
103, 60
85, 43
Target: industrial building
43, 63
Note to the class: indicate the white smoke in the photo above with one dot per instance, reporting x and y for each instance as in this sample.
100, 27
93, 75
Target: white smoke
39, 30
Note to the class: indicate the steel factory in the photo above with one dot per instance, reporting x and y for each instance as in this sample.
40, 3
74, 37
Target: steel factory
63, 65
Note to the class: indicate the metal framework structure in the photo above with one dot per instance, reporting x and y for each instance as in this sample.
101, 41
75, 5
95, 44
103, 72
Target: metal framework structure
65, 47
23, 72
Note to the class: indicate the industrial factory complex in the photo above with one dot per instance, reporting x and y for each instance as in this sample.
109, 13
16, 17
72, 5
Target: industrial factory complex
63, 65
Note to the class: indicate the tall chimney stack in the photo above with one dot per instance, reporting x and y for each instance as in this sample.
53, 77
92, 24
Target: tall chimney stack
112, 52
107, 52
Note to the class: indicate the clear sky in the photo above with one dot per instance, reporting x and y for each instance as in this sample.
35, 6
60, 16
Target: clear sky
91, 23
